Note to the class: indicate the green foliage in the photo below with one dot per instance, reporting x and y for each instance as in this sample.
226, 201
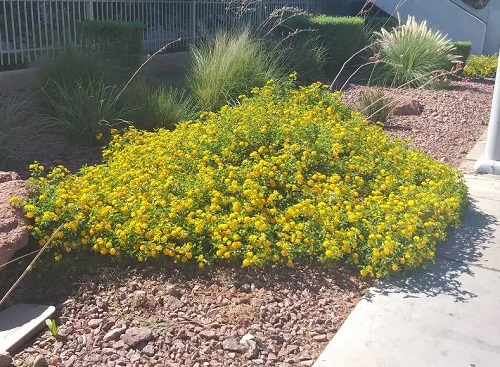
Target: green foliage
462, 50
78, 95
13, 113
342, 36
376, 105
411, 54
229, 65
304, 53
117, 42
288, 175
84, 111
158, 107
72, 64
52, 325
375, 24
481, 66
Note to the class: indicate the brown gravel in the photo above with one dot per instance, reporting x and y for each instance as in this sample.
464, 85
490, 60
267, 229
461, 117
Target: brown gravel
179, 316
452, 121
173, 316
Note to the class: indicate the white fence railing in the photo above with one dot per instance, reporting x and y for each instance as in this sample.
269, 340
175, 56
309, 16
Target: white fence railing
30, 29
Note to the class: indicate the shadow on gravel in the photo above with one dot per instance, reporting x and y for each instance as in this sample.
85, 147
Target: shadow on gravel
454, 259
83, 275
486, 81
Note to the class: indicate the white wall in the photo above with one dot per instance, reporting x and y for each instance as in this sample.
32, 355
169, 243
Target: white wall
451, 19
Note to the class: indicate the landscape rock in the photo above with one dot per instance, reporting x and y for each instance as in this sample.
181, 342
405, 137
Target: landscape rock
253, 350
136, 336
114, 334
14, 233
320, 338
9, 176
94, 323
307, 363
5, 359
148, 350
70, 362
208, 334
172, 302
232, 345
408, 108
40, 361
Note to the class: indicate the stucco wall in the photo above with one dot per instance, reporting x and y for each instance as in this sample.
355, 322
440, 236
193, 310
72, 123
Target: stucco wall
492, 43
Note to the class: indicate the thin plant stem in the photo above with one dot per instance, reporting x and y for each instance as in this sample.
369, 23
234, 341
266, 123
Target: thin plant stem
346, 62
30, 266
142, 65
18, 258
355, 71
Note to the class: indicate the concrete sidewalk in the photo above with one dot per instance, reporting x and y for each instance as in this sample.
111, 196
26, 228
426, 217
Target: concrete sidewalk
447, 315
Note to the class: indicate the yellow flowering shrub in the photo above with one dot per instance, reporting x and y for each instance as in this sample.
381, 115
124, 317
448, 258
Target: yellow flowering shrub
481, 66
289, 175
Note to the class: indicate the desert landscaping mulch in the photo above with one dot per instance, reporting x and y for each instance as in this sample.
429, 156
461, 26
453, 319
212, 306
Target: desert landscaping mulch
178, 316
452, 120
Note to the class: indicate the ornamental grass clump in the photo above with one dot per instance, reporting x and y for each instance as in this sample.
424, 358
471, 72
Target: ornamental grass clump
160, 107
287, 176
230, 64
13, 126
412, 54
376, 105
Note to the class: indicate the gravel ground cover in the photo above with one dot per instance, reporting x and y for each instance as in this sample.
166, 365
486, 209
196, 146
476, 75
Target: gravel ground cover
452, 121
181, 316
114, 315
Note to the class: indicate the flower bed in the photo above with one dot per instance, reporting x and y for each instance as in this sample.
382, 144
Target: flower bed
481, 66
288, 175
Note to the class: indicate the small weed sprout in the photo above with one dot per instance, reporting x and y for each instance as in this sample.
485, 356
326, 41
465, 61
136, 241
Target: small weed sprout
52, 326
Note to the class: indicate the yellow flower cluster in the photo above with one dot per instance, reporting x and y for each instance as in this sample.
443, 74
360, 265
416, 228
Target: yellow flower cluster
289, 175
481, 66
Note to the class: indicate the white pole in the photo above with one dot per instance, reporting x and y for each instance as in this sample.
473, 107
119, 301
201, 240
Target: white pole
490, 161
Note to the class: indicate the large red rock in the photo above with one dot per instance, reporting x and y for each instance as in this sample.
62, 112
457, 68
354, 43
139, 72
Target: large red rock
14, 232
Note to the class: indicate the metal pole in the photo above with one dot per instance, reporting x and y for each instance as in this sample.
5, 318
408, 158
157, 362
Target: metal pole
89, 10
490, 161
193, 22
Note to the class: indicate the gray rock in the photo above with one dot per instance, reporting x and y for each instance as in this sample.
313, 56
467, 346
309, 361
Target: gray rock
232, 345
135, 336
253, 351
